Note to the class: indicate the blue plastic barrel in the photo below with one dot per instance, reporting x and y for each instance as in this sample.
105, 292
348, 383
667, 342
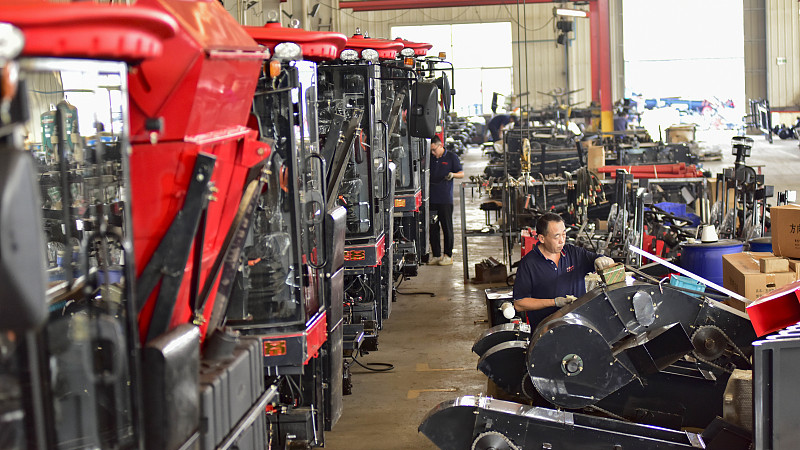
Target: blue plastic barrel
705, 259
762, 244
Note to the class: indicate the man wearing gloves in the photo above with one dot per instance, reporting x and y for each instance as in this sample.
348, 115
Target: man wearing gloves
552, 274
444, 167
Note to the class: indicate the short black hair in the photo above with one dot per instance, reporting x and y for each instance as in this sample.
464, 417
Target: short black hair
544, 222
436, 139
512, 118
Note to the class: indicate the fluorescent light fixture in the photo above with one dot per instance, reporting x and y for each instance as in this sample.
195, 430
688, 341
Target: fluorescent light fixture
571, 12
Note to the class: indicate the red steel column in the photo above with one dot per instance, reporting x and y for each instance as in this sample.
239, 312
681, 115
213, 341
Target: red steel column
599, 21
594, 29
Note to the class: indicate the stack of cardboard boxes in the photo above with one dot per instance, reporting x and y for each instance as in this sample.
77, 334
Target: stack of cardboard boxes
754, 275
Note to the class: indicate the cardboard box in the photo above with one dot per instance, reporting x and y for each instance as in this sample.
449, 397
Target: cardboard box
794, 266
741, 273
772, 264
613, 274
596, 158
785, 230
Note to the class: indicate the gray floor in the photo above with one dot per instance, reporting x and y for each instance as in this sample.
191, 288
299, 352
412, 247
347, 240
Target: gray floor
429, 339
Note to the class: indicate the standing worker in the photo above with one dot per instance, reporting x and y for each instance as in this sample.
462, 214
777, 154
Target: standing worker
552, 274
497, 124
444, 167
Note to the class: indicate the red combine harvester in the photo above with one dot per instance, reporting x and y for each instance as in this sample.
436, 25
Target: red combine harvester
174, 225
299, 323
132, 122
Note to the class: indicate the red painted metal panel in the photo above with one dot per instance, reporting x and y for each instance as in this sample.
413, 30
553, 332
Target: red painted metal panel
386, 49
89, 30
381, 249
776, 310
159, 175
194, 87
420, 48
316, 45
202, 87
417, 200
316, 335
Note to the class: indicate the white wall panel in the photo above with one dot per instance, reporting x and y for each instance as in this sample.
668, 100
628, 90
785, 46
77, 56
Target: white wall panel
783, 53
533, 35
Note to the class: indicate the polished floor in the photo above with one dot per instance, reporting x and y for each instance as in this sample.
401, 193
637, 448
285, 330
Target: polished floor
428, 340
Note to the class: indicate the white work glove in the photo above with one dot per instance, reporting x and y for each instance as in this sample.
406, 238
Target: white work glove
508, 310
603, 262
449, 176
563, 301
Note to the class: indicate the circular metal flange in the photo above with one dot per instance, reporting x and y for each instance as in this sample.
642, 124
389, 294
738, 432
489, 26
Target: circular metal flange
571, 365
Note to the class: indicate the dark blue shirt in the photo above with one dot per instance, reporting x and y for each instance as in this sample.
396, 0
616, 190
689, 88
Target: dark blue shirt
498, 122
539, 277
441, 189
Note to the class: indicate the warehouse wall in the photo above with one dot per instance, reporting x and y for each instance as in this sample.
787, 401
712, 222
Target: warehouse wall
537, 58
783, 53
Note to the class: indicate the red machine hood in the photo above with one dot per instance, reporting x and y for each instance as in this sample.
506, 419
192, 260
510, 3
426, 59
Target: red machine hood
420, 48
316, 45
386, 49
89, 30
205, 79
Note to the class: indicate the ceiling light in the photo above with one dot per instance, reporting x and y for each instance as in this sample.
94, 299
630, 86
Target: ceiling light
571, 12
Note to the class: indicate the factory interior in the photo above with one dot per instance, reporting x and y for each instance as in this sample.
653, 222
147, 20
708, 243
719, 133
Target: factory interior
399, 224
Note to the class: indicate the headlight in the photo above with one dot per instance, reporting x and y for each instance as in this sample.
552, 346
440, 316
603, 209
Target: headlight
349, 55
369, 54
288, 51
407, 52
11, 41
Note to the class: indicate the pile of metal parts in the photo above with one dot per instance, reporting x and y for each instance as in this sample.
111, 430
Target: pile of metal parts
627, 365
744, 216
461, 133
535, 149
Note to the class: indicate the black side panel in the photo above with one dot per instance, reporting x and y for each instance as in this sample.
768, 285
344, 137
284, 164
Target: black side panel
171, 399
22, 248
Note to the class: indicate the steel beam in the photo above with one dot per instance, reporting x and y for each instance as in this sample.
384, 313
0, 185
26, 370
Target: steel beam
383, 5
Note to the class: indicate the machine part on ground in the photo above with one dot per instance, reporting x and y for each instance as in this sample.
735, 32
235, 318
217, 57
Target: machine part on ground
709, 342
499, 334
492, 440
458, 424
578, 358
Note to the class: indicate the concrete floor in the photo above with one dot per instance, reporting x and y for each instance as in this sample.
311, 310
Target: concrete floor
779, 161
429, 339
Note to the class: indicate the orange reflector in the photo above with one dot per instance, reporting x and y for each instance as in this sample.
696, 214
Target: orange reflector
274, 68
409, 62
442, 55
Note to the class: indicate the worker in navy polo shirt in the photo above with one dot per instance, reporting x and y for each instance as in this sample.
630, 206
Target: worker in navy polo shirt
444, 167
552, 274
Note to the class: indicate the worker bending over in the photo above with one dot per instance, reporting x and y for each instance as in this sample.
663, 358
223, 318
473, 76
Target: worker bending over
552, 274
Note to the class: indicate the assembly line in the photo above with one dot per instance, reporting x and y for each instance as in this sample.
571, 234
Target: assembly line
206, 228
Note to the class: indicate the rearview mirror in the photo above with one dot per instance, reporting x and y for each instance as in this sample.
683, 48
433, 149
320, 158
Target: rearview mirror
424, 112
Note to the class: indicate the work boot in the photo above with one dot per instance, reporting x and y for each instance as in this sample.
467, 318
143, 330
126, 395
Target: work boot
446, 261
434, 260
